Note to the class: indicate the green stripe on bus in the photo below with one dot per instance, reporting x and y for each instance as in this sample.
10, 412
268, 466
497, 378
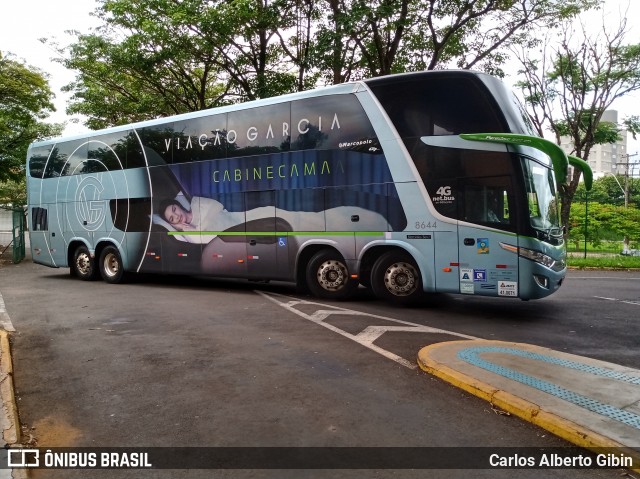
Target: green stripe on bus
277, 233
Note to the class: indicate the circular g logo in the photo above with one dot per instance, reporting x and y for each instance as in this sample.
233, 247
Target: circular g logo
90, 208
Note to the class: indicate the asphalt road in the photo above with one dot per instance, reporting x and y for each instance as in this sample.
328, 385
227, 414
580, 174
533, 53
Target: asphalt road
173, 361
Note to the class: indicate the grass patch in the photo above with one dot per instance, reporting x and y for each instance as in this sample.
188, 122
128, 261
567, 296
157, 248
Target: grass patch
604, 262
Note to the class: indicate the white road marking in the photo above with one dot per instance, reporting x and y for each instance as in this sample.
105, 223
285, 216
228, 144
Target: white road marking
367, 336
635, 303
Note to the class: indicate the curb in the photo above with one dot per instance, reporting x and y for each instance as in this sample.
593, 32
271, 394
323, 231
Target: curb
10, 422
9, 419
570, 431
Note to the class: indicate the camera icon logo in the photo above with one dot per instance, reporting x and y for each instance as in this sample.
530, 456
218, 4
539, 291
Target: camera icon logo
23, 458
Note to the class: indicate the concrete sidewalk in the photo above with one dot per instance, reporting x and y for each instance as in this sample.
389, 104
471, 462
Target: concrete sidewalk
591, 403
9, 420
9, 413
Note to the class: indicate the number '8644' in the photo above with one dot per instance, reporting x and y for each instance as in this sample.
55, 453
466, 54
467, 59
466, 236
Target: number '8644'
425, 225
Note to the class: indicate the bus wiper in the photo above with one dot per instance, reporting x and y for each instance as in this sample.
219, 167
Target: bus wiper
551, 233
543, 235
555, 232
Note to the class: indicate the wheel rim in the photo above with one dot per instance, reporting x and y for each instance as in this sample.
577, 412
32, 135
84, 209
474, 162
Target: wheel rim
83, 264
111, 265
332, 275
401, 279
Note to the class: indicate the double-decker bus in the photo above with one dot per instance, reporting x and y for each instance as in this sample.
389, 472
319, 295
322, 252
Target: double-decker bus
406, 184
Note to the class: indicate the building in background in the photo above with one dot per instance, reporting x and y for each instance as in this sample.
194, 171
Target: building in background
607, 158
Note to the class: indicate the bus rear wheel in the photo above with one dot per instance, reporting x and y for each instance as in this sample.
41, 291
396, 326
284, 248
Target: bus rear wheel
111, 268
396, 278
84, 266
328, 277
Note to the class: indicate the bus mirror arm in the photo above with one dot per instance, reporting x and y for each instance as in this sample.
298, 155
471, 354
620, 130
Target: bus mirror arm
583, 166
558, 157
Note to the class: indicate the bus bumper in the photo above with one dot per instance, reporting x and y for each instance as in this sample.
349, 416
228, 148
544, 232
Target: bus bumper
545, 280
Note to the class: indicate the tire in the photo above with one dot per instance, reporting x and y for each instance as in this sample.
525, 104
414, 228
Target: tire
396, 278
328, 277
110, 264
84, 266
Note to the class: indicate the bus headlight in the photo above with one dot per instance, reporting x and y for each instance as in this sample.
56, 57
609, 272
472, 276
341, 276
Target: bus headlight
536, 256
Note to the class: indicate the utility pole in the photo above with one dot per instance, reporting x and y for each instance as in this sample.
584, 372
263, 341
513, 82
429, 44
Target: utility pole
626, 178
625, 246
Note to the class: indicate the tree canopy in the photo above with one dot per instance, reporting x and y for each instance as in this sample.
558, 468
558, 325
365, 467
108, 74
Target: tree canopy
571, 85
610, 189
25, 100
153, 58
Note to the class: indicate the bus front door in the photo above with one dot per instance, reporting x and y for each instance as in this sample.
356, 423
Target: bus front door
481, 260
446, 258
486, 268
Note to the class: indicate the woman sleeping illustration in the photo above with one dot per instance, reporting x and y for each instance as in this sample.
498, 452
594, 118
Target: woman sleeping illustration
206, 218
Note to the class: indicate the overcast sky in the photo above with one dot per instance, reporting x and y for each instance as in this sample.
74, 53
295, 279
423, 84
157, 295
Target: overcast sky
24, 22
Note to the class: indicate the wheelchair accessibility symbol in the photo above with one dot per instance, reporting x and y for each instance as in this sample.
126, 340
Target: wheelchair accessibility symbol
282, 241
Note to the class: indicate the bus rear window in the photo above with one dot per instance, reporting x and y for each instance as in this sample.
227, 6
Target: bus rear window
38, 160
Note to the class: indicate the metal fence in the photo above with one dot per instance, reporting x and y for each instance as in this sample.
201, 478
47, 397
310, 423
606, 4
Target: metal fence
12, 232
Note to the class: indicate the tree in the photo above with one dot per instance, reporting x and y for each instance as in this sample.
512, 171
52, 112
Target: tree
572, 84
13, 192
605, 222
142, 62
25, 100
160, 57
373, 38
609, 190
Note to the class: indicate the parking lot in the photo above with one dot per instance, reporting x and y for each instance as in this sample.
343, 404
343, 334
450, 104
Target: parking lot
193, 362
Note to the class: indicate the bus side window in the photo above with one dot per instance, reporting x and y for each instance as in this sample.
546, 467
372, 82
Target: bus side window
494, 209
486, 204
39, 219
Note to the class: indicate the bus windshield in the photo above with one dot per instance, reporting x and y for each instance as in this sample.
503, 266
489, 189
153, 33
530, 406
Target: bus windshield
542, 198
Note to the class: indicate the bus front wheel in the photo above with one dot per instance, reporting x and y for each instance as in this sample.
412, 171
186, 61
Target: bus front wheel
84, 266
328, 277
396, 278
111, 268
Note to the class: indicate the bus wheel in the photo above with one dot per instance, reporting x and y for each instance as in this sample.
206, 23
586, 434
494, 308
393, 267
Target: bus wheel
396, 278
328, 277
110, 263
84, 266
